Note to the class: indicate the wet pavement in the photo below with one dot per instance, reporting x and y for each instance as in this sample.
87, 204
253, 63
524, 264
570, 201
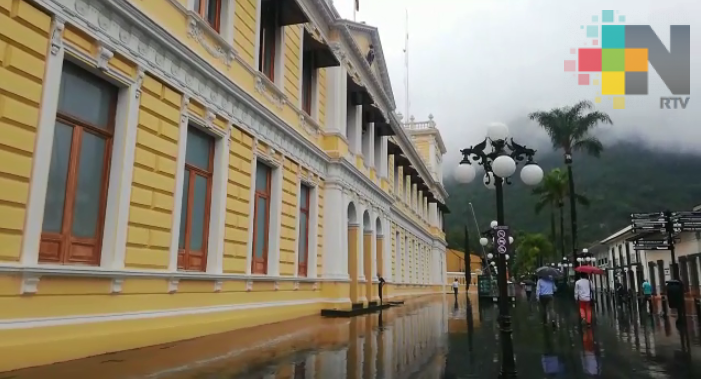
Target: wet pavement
430, 338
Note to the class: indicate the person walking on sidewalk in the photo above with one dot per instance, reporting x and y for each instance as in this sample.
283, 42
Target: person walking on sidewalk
582, 294
544, 290
456, 285
647, 292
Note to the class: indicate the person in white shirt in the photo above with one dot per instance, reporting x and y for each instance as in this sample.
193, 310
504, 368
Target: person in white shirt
456, 285
582, 294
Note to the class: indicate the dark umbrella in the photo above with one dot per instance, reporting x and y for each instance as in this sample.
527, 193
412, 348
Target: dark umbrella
528, 281
547, 271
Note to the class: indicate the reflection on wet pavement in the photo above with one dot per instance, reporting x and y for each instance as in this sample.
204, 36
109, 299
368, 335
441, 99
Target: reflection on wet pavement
430, 338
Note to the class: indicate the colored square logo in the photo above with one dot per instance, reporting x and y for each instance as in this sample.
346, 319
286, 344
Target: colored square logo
613, 36
583, 79
613, 83
570, 66
589, 60
619, 103
592, 31
613, 60
636, 83
606, 16
636, 60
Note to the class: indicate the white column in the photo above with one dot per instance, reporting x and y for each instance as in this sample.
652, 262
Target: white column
355, 128
336, 100
335, 246
384, 158
370, 158
373, 251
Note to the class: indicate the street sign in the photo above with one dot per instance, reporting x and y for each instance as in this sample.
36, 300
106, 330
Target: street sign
502, 233
646, 215
651, 245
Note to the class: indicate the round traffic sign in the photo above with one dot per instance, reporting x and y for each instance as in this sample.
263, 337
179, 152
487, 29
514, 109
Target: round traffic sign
501, 249
501, 233
501, 241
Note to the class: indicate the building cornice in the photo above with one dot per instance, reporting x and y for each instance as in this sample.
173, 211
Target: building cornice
617, 234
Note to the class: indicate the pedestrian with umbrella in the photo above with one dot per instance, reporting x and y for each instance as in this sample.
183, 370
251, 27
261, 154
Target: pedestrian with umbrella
545, 289
583, 291
528, 286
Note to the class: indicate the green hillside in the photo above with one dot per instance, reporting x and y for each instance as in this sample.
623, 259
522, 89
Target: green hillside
627, 178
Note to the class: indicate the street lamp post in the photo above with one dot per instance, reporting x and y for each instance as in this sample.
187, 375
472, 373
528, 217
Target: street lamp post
499, 156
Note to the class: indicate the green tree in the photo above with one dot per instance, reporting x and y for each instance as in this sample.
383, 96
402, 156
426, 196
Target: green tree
570, 130
551, 192
532, 250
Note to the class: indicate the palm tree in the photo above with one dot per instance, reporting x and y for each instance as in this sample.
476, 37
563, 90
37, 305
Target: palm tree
552, 192
569, 129
531, 251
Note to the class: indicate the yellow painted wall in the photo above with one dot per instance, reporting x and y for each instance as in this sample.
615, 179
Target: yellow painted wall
238, 202
288, 230
320, 228
153, 188
321, 84
292, 63
245, 30
24, 34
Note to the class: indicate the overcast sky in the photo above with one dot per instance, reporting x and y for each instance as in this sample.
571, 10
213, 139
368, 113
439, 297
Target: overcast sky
473, 62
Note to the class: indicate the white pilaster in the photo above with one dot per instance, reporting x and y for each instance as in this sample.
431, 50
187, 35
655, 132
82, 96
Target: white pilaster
335, 232
336, 100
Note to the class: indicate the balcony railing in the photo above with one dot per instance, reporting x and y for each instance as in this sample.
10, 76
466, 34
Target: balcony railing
412, 124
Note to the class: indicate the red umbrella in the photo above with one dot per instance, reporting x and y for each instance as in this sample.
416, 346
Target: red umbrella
589, 270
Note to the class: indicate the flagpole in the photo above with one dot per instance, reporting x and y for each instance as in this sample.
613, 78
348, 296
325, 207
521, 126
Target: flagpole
406, 68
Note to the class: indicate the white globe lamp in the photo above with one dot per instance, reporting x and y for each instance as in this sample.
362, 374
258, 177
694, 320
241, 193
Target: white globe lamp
507, 257
494, 263
493, 224
511, 240
531, 174
489, 180
579, 259
504, 166
464, 173
484, 241
497, 131
490, 256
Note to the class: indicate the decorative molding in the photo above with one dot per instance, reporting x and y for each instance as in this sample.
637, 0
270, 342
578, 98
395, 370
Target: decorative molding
116, 285
249, 286
276, 286
209, 117
57, 34
173, 285
271, 92
197, 28
315, 286
30, 284
140, 74
308, 124
295, 286
218, 284
104, 54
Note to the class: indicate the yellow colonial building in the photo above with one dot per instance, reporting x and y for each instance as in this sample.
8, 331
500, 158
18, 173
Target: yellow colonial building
176, 168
